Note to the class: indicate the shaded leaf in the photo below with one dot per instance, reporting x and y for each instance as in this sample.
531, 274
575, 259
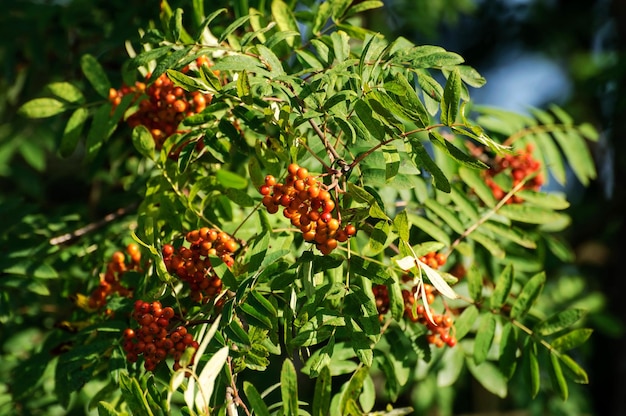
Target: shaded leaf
451, 97
560, 321
503, 286
95, 75
484, 337
527, 297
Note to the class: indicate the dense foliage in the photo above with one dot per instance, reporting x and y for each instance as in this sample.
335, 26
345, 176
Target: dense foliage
306, 209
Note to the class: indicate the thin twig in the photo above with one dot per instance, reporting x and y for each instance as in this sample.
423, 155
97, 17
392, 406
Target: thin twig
64, 238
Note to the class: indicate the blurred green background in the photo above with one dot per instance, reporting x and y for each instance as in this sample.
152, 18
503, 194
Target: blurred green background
532, 52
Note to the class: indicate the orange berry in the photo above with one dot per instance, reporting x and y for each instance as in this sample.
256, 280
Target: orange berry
118, 257
293, 169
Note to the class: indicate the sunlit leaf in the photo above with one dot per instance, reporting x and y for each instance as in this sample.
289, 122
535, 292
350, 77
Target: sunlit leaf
559, 321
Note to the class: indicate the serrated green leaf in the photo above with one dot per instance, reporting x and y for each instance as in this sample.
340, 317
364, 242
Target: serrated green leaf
451, 97
430, 228
184, 81
100, 130
502, 287
105, 409
558, 380
475, 284
579, 375
402, 226
473, 179
527, 297
512, 233
72, 131
559, 321
256, 317
170, 61
446, 214
133, 396
531, 214
367, 118
546, 200
363, 6
577, 154
471, 77
572, 339
429, 56
42, 108
243, 88
508, 350
289, 388
272, 62
322, 393
95, 75
353, 389
424, 161
464, 323
176, 24
454, 152
484, 337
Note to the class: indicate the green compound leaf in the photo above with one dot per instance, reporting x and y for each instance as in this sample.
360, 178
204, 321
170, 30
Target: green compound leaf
560, 321
95, 75
42, 108
529, 294
503, 287
289, 388
484, 338
451, 97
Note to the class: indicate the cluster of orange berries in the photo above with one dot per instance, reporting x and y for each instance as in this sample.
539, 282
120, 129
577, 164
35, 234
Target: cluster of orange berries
111, 281
439, 327
309, 206
156, 338
521, 166
165, 106
193, 264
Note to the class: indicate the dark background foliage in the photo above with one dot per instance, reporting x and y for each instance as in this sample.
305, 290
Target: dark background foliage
570, 51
